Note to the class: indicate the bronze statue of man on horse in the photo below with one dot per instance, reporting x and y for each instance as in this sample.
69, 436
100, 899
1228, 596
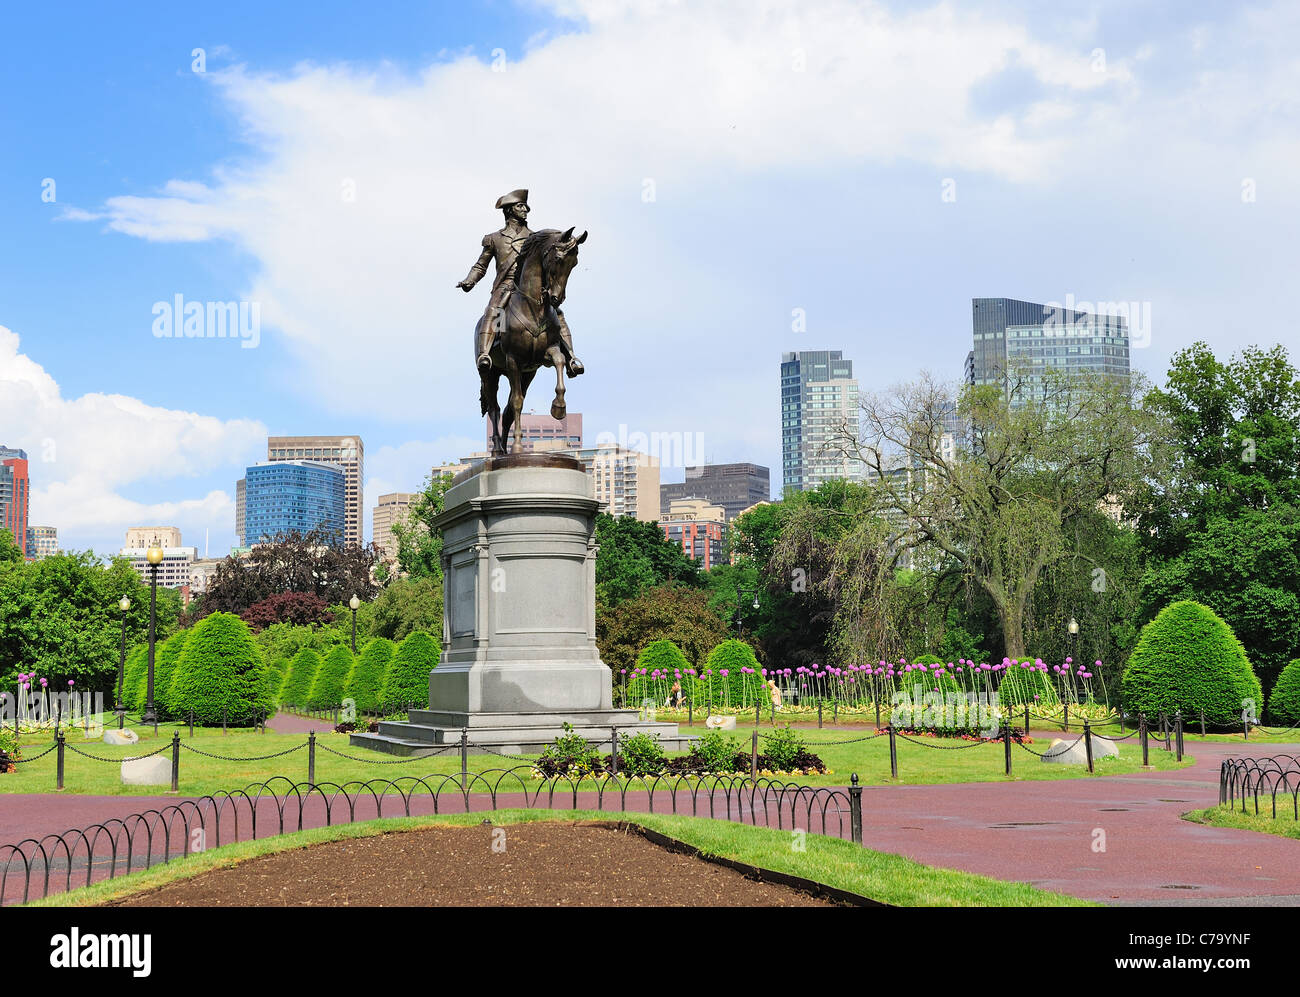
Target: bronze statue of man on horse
523, 328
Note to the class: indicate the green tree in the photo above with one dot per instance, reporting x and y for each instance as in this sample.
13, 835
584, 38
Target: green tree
408, 674
419, 545
167, 657
996, 506
665, 612
1189, 659
365, 685
1284, 700
221, 676
296, 690
1218, 518
634, 556
331, 677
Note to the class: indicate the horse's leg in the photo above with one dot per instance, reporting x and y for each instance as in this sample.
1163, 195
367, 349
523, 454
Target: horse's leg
493, 383
514, 406
556, 356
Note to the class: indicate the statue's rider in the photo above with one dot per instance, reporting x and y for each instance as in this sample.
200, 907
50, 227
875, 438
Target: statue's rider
503, 246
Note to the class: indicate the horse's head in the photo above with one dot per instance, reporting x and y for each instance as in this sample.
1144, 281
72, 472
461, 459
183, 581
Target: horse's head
558, 261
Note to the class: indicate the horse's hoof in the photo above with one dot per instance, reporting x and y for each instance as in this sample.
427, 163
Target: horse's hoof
557, 409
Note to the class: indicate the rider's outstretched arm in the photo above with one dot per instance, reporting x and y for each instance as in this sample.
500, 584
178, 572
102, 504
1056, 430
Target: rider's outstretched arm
479, 268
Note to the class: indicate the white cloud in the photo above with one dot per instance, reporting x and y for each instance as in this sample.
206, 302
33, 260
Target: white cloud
799, 105
85, 453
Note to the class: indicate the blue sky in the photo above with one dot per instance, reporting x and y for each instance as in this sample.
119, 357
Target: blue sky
733, 163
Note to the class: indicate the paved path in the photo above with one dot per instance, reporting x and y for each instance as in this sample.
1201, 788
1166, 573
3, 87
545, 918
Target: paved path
1037, 832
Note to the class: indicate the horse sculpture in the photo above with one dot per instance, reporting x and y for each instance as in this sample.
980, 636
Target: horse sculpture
528, 337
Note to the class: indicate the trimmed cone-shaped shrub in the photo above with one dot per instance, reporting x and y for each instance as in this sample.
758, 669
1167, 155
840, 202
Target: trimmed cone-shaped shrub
221, 674
663, 655
661, 659
279, 668
1189, 659
327, 690
408, 675
302, 674
166, 658
1284, 700
137, 668
366, 683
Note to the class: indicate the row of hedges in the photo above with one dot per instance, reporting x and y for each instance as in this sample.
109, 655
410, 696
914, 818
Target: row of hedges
216, 668
383, 673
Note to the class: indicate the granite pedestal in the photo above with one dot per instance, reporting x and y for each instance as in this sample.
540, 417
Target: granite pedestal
519, 655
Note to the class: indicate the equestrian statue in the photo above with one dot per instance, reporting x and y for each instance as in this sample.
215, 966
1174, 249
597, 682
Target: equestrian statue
523, 328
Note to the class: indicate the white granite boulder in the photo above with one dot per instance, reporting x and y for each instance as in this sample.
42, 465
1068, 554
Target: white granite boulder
153, 771
121, 737
720, 723
1075, 753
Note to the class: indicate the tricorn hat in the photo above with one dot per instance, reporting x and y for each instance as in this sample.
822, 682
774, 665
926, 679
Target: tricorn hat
514, 197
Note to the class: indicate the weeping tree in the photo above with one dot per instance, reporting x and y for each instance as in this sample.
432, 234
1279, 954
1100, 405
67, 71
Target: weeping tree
835, 547
988, 486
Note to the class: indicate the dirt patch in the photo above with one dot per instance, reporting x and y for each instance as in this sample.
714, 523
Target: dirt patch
541, 865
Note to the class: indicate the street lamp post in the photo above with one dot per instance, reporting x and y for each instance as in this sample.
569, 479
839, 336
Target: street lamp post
1073, 628
124, 606
740, 619
154, 556
354, 604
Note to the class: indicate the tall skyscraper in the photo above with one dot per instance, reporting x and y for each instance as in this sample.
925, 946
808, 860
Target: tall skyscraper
14, 495
283, 496
1022, 337
819, 404
541, 432
347, 452
734, 487
392, 508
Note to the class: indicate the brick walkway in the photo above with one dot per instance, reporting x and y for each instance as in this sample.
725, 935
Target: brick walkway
1037, 832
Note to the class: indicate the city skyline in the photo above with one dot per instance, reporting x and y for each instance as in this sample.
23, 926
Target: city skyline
281, 195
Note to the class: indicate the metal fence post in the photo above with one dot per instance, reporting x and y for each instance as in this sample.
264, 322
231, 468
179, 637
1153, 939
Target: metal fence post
223, 721
1006, 745
1026, 719
819, 714
311, 759
757, 712
835, 711
1142, 734
613, 758
690, 710
176, 761
753, 757
877, 713
1178, 734
58, 739
855, 810
893, 753
1087, 742
1164, 719
464, 759
1202, 722
1065, 724
191, 723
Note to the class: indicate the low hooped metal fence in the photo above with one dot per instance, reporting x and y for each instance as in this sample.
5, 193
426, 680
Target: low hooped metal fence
1244, 780
42, 867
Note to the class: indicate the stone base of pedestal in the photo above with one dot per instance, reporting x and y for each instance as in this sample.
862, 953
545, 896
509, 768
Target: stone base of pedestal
519, 657
429, 731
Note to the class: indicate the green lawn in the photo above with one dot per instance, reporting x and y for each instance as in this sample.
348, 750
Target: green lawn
1283, 825
199, 774
887, 878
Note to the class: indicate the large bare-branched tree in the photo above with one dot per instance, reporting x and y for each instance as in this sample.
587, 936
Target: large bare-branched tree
988, 488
